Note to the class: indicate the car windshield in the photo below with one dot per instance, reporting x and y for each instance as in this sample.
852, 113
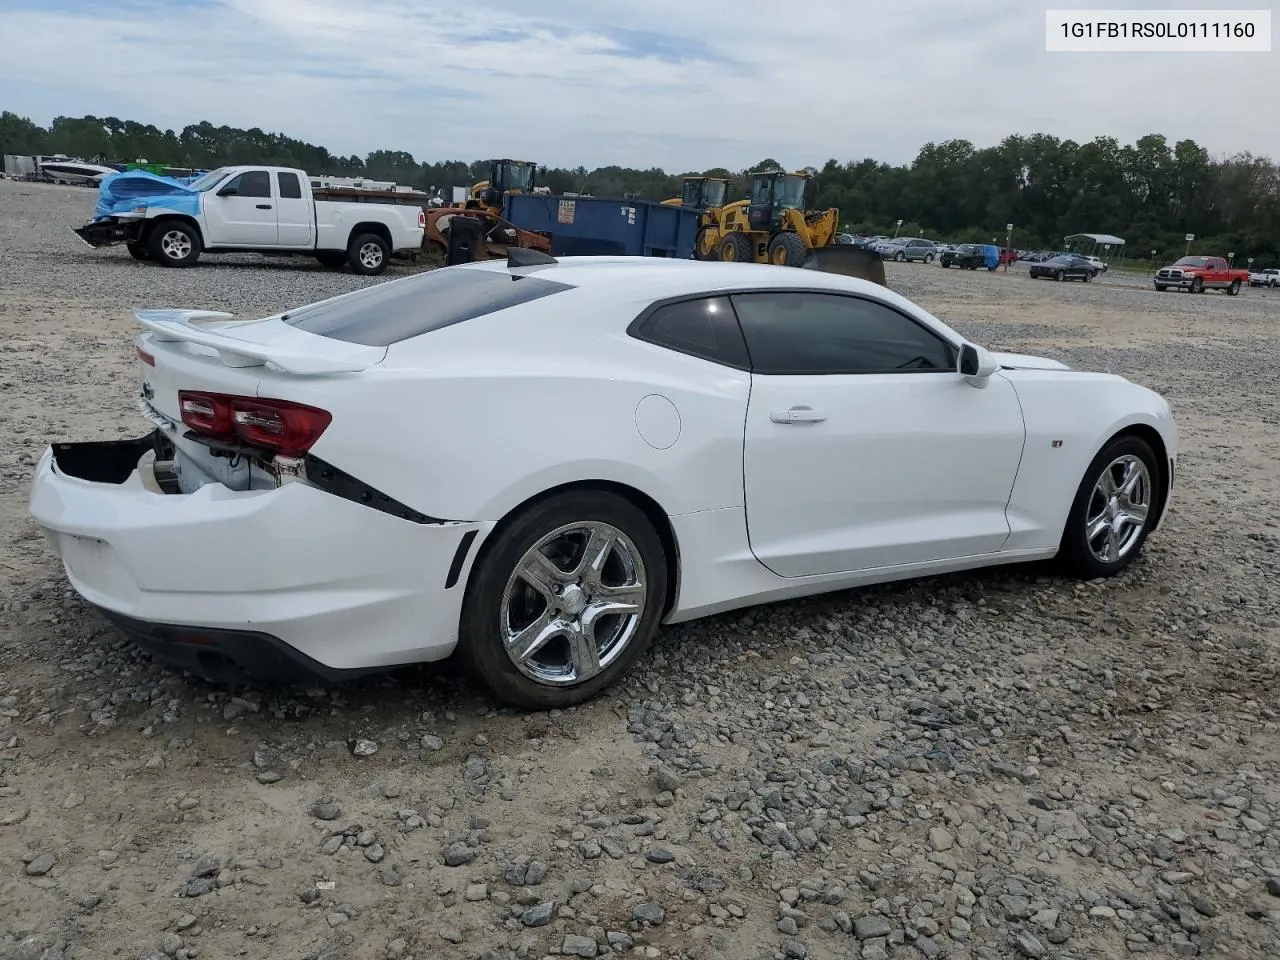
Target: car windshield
1193, 262
209, 180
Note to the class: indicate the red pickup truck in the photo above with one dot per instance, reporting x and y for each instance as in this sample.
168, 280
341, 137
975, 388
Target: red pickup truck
1198, 274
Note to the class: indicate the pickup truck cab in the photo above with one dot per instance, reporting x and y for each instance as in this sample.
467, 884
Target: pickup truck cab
1265, 278
1198, 274
241, 209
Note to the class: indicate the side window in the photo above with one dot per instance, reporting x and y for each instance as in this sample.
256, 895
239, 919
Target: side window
252, 183
822, 333
704, 328
290, 188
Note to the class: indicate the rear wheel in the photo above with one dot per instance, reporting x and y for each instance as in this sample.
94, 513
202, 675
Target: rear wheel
564, 600
368, 254
787, 250
1113, 510
928, 258
174, 244
735, 248
1234, 288
1087, 277
899, 256
1057, 275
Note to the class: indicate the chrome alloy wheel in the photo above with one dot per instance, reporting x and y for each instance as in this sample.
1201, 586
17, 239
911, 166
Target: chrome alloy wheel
370, 255
175, 244
573, 603
1118, 509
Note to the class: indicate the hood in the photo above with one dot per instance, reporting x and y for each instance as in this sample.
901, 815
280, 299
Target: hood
1022, 361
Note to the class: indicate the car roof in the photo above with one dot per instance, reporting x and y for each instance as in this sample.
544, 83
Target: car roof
660, 278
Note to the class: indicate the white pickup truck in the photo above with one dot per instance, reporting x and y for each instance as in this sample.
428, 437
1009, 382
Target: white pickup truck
1265, 278
251, 209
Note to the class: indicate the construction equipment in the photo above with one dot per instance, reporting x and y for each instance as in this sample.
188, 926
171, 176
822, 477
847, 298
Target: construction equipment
505, 176
705, 194
773, 226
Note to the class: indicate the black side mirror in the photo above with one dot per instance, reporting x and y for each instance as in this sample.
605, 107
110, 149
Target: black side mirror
228, 192
969, 360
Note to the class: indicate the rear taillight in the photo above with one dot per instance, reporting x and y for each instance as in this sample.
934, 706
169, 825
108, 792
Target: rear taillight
288, 429
146, 358
422, 219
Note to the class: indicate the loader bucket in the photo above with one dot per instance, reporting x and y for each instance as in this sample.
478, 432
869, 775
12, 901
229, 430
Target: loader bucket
848, 260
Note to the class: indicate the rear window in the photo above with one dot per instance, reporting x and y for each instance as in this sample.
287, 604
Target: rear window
381, 315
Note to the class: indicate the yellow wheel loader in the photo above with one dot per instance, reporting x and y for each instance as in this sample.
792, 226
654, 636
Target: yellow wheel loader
505, 176
774, 227
706, 194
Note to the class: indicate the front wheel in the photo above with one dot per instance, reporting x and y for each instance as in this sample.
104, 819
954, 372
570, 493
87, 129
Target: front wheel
1114, 507
174, 244
787, 250
368, 254
564, 599
1197, 285
1161, 288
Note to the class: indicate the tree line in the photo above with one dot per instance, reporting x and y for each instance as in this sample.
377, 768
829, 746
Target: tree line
1151, 192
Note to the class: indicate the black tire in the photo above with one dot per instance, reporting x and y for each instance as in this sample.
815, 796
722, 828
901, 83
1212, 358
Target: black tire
1234, 288
481, 644
1075, 551
1197, 285
899, 256
138, 251
1087, 277
928, 258
736, 248
787, 250
333, 259
168, 247
1161, 288
368, 254
1058, 275
699, 239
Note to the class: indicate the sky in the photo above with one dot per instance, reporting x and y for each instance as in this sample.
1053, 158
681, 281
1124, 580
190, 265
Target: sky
677, 84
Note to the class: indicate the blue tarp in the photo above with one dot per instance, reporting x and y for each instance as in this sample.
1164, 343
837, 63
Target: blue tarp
122, 192
992, 255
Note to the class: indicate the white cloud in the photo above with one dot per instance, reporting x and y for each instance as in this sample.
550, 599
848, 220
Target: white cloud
566, 82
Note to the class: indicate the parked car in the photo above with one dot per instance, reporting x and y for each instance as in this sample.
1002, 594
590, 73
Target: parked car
1098, 263
1066, 266
249, 209
904, 249
293, 511
1198, 274
1265, 278
969, 256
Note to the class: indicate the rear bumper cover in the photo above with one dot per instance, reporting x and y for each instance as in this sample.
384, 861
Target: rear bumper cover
342, 585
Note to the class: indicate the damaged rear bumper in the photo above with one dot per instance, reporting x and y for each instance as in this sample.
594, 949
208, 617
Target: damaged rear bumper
326, 582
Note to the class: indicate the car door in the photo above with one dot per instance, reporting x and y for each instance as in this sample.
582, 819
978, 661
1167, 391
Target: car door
864, 447
241, 213
295, 221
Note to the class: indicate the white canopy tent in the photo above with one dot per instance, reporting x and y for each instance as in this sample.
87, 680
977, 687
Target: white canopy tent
1103, 244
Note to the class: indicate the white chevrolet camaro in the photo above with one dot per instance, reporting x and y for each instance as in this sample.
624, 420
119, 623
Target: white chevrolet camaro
536, 463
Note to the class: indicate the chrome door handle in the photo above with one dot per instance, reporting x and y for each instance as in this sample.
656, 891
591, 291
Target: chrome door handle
797, 415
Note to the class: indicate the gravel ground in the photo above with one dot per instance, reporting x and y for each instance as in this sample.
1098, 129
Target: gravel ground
1000, 765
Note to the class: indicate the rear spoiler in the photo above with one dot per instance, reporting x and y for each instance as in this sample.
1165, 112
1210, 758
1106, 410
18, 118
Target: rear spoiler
189, 326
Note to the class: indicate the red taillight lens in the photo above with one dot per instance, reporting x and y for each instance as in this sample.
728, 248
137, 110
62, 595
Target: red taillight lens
288, 429
146, 358
207, 413
422, 218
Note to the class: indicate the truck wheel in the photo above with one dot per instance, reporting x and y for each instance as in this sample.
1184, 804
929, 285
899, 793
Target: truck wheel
138, 251
368, 254
1161, 288
333, 259
174, 244
1234, 288
787, 250
1197, 285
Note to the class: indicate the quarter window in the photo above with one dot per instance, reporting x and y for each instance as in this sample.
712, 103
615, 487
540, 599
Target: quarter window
820, 333
290, 188
704, 328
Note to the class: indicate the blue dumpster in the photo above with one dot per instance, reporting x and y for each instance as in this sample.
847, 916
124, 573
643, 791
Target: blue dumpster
600, 226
